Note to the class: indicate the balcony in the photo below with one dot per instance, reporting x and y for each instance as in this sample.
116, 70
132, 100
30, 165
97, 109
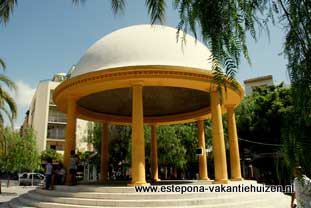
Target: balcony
53, 135
55, 116
57, 119
55, 132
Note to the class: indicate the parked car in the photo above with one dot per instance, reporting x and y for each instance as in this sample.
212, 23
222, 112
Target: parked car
27, 179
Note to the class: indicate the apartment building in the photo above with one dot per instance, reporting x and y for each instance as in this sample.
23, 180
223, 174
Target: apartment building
48, 122
257, 82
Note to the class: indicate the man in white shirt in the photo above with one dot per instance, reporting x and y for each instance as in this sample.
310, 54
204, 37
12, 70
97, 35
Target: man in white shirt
73, 167
48, 174
302, 188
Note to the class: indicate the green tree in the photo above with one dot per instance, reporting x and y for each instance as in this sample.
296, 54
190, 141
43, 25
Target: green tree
51, 153
120, 147
171, 152
119, 138
94, 135
176, 146
265, 119
18, 151
187, 135
26, 153
296, 18
261, 116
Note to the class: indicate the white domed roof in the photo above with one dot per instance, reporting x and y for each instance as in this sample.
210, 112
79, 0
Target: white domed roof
144, 45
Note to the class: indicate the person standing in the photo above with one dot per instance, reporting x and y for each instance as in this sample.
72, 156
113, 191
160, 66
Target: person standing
302, 190
48, 174
62, 174
73, 167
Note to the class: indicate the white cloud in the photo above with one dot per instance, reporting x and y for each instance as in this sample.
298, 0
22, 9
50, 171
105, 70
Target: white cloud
24, 94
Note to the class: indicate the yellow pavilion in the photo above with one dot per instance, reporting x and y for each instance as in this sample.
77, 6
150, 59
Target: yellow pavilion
142, 75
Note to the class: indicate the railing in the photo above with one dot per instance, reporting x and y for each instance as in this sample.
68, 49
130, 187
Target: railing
56, 135
62, 119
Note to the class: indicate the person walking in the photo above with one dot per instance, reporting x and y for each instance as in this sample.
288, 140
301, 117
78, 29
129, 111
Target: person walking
48, 174
73, 167
302, 189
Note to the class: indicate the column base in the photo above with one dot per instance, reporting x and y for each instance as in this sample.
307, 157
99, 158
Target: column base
236, 179
156, 180
223, 181
104, 182
139, 183
204, 179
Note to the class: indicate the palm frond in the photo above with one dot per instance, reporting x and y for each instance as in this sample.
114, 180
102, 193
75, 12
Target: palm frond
78, 2
117, 6
8, 114
6, 10
2, 64
224, 76
1, 121
8, 82
222, 24
156, 10
5, 98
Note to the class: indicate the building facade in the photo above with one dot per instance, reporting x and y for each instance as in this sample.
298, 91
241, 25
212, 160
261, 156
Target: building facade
250, 84
48, 122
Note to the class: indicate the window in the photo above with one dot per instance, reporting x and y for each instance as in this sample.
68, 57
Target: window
35, 176
24, 175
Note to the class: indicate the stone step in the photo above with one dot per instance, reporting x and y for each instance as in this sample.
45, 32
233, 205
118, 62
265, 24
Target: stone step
101, 189
4, 205
140, 202
15, 203
125, 195
124, 189
248, 204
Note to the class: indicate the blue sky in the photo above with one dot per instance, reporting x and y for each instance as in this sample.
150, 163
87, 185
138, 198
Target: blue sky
46, 37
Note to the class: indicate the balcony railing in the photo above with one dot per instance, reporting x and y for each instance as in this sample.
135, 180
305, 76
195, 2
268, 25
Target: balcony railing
56, 135
61, 119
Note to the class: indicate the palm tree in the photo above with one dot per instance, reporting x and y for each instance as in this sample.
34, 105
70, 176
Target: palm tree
7, 103
7, 107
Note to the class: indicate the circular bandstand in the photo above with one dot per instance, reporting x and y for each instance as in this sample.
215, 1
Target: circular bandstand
147, 75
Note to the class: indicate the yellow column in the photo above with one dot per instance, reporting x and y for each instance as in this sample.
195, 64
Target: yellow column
202, 158
154, 154
220, 162
70, 135
138, 143
104, 154
234, 146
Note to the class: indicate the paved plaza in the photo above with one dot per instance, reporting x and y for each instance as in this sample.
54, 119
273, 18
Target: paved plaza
11, 192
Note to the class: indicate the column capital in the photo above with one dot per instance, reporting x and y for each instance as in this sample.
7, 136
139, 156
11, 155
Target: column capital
230, 107
154, 124
71, 98
137, 83
213, 90
220, 97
